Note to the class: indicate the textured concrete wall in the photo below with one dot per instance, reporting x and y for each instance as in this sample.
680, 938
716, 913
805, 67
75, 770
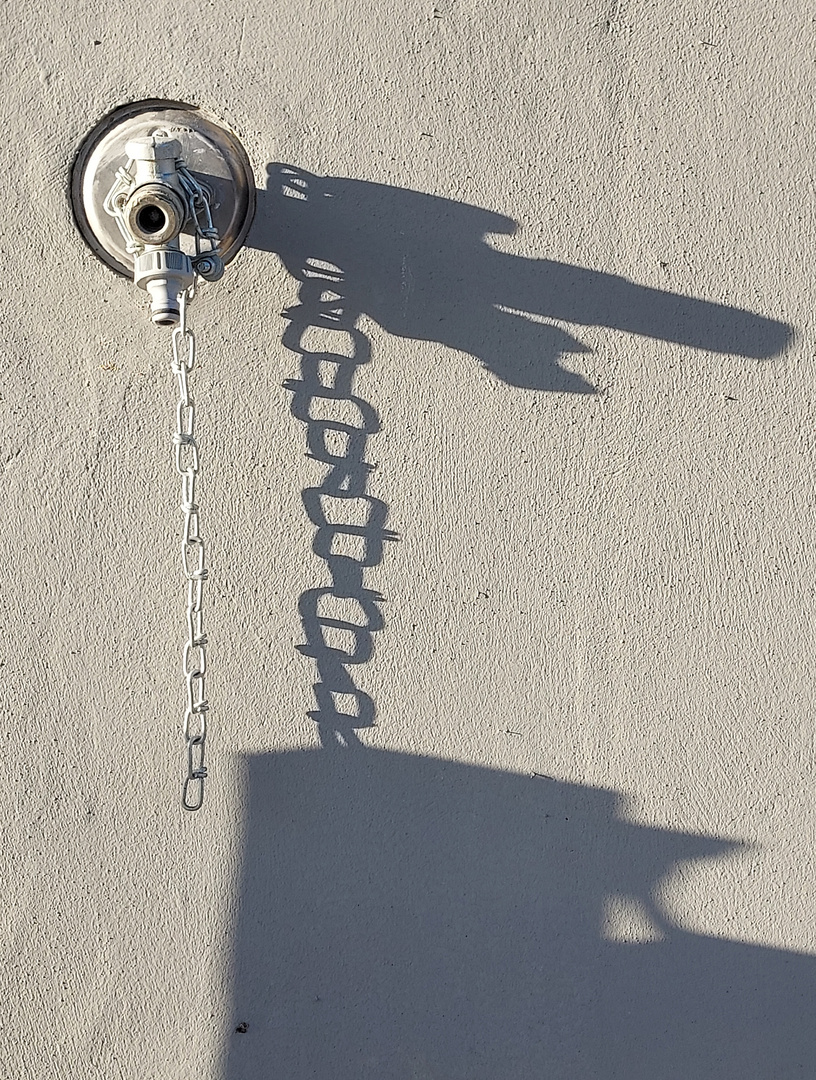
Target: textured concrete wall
548, 812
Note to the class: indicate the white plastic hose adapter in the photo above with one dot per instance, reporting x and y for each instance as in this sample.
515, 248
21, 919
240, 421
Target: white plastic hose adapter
164, 273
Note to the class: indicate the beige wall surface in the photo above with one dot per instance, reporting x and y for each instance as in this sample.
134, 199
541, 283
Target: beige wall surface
511, 677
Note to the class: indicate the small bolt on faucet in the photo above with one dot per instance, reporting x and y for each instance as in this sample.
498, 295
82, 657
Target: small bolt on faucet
154, 199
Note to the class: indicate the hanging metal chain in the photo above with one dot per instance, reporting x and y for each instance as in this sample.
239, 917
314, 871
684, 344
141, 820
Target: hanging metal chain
206, 262
194, 657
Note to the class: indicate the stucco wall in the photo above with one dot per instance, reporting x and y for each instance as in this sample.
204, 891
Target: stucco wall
571, 834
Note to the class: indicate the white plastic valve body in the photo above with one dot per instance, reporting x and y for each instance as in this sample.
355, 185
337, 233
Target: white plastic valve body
154, 158
144, 228
154, 214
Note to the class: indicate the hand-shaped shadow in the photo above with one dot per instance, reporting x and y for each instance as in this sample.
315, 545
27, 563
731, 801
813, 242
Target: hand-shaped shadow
420, 267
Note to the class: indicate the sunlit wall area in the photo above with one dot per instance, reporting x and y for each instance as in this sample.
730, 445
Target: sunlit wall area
505, 431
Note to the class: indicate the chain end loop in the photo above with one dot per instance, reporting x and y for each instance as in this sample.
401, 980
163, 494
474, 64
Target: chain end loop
192, 797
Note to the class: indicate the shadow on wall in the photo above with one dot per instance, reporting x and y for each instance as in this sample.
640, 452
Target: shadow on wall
402, 917
420, 267
340, 617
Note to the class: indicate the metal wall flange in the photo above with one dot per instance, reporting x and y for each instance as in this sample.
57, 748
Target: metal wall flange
213, 155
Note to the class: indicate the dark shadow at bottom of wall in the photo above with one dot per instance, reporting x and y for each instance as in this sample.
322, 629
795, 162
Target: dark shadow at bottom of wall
404, 918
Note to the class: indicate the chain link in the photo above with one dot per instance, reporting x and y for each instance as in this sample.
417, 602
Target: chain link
194, 656
199, 207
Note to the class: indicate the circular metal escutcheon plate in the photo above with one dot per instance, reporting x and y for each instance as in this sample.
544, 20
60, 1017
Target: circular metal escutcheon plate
212, 154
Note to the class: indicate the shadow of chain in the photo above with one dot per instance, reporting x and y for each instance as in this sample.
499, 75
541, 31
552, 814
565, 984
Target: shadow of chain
339, 619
